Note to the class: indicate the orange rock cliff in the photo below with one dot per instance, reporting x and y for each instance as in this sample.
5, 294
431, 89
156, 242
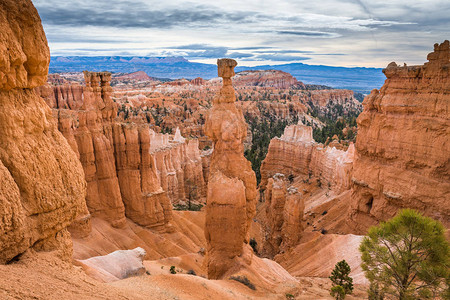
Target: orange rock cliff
285, 209
402, 146
231, 195
42, 186
400, 160
120, 171
296, 153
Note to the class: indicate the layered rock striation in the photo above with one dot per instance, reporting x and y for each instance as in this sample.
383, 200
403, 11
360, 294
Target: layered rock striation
231, 195
296, 153
284, 212
146, 202
402, 146
179, 167
42, 186
120, 171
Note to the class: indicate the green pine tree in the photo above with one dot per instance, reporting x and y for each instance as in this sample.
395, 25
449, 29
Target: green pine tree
407, 257
342, 282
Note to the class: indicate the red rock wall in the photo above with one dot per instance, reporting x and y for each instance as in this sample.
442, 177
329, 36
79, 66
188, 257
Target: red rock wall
403, 146
146, 203
270, 78
119, 170
284, 212
180, 170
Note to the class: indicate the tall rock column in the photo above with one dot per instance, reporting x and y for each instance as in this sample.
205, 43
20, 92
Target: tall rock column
231, 195
94, 137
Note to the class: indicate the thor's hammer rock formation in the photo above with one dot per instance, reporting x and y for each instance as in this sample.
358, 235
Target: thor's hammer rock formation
231, 196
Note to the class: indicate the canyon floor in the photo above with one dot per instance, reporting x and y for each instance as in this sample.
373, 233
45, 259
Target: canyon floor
31, 276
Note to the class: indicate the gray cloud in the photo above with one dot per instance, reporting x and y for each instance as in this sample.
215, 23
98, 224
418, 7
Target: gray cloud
133, 14
239, 55
198, 51
285, 51
313, 34
79, 39
252, 48
280, 57
363, 32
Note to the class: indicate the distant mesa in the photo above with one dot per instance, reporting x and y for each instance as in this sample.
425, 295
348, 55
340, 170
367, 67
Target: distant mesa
267, 78
139, 75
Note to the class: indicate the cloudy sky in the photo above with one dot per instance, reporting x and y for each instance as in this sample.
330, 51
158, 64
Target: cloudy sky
368, 33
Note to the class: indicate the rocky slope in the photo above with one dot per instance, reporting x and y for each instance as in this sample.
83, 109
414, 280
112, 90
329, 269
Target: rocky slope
42, 188
402, 147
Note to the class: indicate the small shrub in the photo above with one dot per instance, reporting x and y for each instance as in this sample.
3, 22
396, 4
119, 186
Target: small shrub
244, 280
290, 297
338, 292
319, 183
194, 207
172, 270
291, 178
253, 243
192, 272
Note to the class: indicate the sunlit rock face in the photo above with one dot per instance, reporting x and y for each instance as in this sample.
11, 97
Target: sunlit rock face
42, 186
402, 146
284, 212
296, 153
179, 166
120, 169
231, 195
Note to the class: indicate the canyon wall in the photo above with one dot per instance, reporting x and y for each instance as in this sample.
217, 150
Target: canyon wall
42, 186
231, 195
284, 213
146, 203
120, 172
179, 167
296, 153
130, 169
402, 146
